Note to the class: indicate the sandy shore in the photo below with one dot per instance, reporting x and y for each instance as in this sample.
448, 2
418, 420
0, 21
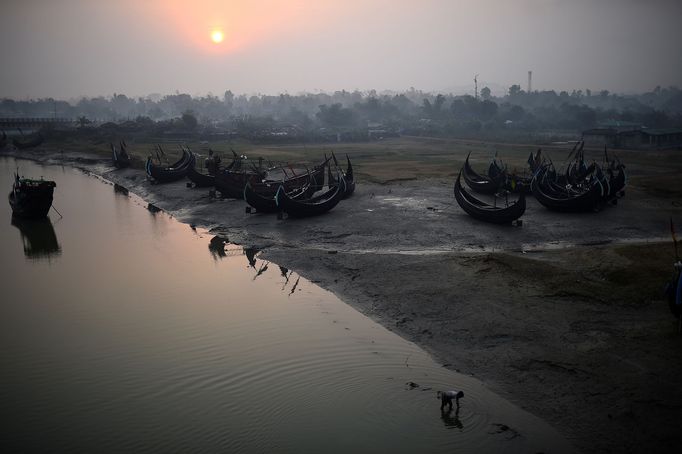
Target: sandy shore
563, 316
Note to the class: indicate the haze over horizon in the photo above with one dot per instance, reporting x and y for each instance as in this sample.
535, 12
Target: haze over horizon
71, 48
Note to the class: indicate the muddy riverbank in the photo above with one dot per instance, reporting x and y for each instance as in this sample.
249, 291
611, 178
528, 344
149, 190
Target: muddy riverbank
562, 316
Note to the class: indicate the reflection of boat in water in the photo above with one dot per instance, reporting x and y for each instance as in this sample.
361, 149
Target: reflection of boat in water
38, 237
217, 247
251, 256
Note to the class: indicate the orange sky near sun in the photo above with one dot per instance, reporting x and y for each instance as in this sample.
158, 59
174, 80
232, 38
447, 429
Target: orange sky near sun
244, 23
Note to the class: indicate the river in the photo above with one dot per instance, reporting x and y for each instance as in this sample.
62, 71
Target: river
125, 330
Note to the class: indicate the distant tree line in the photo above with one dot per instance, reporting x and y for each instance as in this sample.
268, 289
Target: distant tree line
342, 112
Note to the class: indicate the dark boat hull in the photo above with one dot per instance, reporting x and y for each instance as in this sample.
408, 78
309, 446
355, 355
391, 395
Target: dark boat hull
485, 212
311, 207
120, 158
174, 172
588, 200
32, 203
200, 180
265, 202
231, 184
262, 203
480, 183
348, 178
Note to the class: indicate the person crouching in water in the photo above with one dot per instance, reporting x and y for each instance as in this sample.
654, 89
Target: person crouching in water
446, 398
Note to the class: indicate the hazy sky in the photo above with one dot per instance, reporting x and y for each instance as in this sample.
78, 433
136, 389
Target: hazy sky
68, 48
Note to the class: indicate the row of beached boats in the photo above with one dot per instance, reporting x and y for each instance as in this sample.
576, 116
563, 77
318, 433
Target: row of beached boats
267, 188
580, 187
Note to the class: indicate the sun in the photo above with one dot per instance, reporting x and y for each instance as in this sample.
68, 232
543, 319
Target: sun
217, 36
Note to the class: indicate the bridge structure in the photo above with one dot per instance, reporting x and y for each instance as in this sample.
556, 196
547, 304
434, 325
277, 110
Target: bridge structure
33, 122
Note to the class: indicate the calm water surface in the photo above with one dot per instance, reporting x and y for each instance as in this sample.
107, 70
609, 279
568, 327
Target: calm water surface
127, 331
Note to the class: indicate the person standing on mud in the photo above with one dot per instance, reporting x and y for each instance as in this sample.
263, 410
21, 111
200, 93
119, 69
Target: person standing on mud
446, 398
212, 163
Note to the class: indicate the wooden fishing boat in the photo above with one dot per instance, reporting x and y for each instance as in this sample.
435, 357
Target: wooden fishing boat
480, 183
509, 181
555, 185
200, 180
579, 171
313, 206
264, 200
174, 172
120, 157
314, 178
31, 199
496, 169
589, 199
231, 183
317, 176
535, 161
30, 142
348, 178
486, 212
269, 185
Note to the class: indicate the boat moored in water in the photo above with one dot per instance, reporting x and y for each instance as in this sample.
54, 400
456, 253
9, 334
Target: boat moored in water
31, 199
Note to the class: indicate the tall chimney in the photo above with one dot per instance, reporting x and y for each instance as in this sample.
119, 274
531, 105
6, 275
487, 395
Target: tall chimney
530, 79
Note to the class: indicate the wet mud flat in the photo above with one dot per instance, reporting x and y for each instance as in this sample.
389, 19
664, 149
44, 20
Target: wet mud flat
563, 316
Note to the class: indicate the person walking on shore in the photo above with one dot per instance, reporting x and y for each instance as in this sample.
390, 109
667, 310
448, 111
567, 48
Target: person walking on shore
446, 398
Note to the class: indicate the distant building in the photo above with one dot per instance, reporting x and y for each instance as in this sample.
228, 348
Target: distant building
620, 126
651, 138
632, 135
600, 137
377, 131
